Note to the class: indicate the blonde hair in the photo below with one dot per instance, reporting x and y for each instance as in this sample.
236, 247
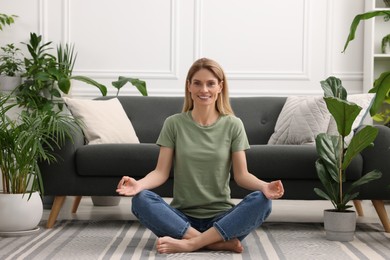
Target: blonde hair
223, 102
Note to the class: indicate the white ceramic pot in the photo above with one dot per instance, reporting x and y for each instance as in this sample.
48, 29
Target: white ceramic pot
18, 213
8, 84
340, 226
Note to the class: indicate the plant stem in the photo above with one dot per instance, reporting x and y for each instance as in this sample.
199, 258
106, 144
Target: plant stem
341, 155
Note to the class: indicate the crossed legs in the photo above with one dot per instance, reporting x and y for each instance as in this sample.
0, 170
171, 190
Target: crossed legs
180, 233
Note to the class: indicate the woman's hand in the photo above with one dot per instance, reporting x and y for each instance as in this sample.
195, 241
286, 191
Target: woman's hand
128, 186
274, 190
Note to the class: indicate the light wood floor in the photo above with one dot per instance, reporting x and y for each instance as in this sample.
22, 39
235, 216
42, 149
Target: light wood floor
283, 211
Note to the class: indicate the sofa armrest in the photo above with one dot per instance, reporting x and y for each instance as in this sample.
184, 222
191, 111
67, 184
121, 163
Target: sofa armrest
59, 177
377, 157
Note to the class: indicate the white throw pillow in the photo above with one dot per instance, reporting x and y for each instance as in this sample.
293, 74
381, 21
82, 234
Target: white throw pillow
365, 102
302, 118
105, 121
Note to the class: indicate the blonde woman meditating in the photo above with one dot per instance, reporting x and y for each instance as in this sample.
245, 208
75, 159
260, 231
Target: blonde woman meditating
202, 143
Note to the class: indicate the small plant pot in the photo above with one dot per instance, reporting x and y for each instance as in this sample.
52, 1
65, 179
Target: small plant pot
9, 84
340, 226
105, 200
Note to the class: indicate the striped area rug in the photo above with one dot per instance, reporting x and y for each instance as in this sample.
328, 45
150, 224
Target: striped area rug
105, 239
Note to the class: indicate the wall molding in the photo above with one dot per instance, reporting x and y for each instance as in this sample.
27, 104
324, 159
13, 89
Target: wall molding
329, 70
303, 74
171, 73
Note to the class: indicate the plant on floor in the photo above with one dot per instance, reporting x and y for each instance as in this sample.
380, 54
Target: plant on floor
334, 156
25, 141
382, 84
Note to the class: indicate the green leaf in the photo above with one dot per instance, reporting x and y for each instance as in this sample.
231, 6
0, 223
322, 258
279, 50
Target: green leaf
327, 181
327, 149
333, 87
139, 84
360, 17
92, 82
64, 85
359, 142
322, 194
381, 88
344, 113
373, 175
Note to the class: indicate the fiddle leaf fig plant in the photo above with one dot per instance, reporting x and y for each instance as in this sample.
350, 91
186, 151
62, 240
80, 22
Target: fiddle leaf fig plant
334, 155
382, 84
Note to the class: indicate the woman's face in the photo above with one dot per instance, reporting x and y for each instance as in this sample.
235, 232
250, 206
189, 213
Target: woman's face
204, 88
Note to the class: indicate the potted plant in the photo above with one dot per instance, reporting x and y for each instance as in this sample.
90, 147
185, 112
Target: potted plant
335, 157
26, 138
381, 86
48, 76
10, 67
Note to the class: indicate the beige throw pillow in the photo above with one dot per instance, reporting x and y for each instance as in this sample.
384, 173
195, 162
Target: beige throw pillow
104, 121
302, 118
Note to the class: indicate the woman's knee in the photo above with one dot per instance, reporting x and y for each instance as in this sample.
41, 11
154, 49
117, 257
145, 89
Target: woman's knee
258, 200
142, 200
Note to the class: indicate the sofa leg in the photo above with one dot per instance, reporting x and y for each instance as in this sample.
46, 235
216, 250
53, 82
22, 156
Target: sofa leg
76, 203
358, 207
55, 210
379, 206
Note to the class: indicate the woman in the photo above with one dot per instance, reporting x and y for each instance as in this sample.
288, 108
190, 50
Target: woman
202, 143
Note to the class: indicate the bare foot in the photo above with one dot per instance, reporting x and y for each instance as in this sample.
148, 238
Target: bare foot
233, 245
168, 245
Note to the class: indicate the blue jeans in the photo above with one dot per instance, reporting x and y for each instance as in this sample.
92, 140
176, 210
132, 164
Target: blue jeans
164, 220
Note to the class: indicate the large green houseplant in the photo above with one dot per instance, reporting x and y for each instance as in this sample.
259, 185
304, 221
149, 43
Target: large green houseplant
26, 138
48, 75
382, 84
335, 156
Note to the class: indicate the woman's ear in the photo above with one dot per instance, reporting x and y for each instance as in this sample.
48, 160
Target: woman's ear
220, 86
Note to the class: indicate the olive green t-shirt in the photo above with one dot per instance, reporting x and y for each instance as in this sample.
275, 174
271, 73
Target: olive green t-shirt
202, 161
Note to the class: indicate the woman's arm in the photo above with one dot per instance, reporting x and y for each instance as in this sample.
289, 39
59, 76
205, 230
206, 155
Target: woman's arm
129, 186
246, 180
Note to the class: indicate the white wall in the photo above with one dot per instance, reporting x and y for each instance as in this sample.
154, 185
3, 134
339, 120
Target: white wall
266, 47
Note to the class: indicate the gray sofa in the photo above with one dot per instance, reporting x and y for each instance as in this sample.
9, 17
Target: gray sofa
94, 170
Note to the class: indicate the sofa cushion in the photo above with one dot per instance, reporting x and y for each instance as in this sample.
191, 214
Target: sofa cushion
104, 121
110, 160
291, 162
301, 120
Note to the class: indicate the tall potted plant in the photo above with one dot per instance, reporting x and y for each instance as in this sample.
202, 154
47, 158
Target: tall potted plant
26, 138
335, 157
